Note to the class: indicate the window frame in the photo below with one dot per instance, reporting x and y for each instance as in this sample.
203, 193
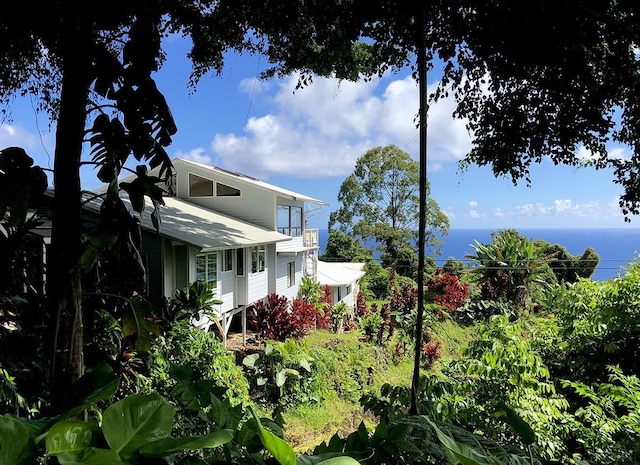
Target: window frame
289, 226
226, 264
258, 259
210, 267
201, 180
219, 185
291, 274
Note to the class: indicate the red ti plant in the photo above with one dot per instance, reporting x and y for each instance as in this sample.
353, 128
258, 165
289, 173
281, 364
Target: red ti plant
271, 318
446, 291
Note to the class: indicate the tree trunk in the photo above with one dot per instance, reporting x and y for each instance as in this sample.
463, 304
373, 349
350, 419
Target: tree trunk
64, 288
422, 83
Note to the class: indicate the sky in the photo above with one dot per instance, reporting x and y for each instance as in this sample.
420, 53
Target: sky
308, 141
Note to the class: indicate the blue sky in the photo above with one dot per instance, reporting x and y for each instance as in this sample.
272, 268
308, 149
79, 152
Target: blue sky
308, 140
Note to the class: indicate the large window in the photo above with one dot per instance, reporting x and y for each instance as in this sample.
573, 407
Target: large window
257, 259
199, 186
207, 268
290, 220
291, 275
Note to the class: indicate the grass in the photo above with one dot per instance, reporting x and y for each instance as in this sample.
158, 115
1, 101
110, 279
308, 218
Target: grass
308, 425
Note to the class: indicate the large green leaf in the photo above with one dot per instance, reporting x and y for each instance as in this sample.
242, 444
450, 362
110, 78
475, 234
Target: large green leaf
16, 441
90, 456
136, 421
170, 446
71, 436
278, 447
461, 454
98, 383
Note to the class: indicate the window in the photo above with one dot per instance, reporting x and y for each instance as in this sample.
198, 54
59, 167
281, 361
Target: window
239, 262
290, 220
207, 268
222, 190
257, 259
291, 276
227, 260
199, 186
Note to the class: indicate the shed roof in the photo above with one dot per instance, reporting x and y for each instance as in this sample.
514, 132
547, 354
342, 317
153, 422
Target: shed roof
339, 273
203, 228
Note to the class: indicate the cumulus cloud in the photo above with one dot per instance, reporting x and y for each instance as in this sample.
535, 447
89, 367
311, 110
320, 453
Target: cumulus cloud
473, 204
198, 155
321, 130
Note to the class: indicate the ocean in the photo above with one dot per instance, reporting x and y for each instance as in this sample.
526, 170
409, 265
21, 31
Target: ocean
616, 246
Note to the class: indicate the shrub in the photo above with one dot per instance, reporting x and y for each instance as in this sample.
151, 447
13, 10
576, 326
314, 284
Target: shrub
303, 318
271, 318
446, 290
203, 353
281, 375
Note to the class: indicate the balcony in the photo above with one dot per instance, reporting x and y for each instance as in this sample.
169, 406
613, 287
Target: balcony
311, 237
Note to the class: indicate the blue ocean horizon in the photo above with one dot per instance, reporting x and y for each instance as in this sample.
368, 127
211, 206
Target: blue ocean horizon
616, 246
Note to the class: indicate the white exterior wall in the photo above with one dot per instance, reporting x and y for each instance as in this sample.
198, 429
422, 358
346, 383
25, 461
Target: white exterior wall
254, 205
283, 274
226, 288
258, 286
347, 298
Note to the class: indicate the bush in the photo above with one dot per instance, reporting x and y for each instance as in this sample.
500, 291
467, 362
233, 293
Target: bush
203, 353
271, 318
446, 290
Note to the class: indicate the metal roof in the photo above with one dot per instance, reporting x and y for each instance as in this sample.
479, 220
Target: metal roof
339, 273
203, 228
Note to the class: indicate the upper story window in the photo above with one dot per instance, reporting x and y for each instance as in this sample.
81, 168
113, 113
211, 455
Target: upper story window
290, 220
222, 190
202, 187
199, 186
207, 268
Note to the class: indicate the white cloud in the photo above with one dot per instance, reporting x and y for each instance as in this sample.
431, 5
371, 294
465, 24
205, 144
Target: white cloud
198, 155
321, 130
473, 204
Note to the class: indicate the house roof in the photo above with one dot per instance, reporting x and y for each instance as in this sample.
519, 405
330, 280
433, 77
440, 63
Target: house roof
250, 180
339, 273
203, 228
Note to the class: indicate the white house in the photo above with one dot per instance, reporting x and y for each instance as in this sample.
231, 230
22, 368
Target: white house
343, 279
245, 237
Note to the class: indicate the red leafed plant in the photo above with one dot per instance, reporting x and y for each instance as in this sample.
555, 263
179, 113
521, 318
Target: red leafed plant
432, 352
271, 318
446, 290
303, 317
323, 318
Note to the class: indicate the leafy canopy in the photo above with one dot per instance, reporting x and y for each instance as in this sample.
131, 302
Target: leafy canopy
380, 203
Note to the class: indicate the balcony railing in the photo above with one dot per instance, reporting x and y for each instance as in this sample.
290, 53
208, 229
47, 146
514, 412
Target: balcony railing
311, 237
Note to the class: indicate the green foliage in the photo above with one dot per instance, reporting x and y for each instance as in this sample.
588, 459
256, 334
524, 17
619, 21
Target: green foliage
569, 268
343, 247
282, 375
508, 267
608, 421
310, 291
454, 267
501, 366
203, 353
191, 303
598, 323
341, 314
